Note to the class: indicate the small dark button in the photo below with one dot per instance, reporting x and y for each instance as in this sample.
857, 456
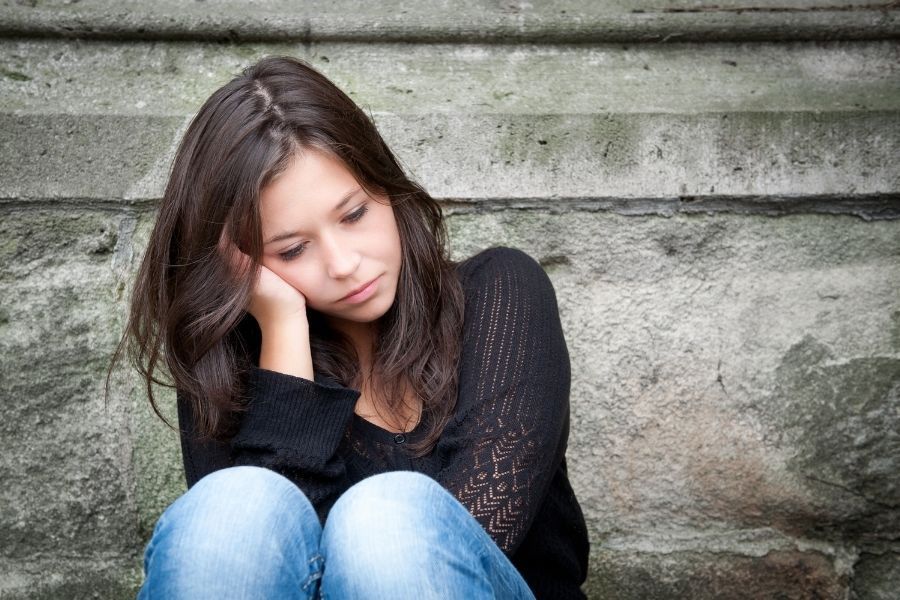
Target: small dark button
399, 438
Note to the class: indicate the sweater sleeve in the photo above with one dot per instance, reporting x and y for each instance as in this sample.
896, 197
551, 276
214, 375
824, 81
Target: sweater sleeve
500, 453
292, 426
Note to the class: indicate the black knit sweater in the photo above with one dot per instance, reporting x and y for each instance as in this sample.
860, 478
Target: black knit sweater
502, 454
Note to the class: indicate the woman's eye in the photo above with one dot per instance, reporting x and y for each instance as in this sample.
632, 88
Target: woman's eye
292, 253
357, 214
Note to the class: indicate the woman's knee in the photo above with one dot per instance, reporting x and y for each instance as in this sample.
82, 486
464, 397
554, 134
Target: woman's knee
246, 505
240, 526
405, 486
387, 514
387, 500
243, 490
396, 530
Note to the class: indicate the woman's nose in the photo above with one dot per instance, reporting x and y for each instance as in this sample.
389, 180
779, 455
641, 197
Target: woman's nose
341, 260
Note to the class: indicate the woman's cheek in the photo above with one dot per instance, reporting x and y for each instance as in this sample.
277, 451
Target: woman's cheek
305, 282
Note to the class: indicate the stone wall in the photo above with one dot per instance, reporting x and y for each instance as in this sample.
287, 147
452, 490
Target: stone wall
712, 188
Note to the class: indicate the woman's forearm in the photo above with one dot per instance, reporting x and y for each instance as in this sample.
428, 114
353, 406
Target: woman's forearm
285, 349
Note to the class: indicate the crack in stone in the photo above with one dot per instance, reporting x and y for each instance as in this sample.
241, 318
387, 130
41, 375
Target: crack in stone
851, 491
868, 207
720, 380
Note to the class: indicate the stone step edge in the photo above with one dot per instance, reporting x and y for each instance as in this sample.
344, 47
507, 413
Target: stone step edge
812, 159
868, 207
43, 576
874, 22
755, 542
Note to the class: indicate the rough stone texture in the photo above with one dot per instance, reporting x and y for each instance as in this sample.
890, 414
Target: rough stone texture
876, 576
733, 324
68, 498
90, 477
58, 286
549, 21
151, 79
78, 157
55, 578
704, 576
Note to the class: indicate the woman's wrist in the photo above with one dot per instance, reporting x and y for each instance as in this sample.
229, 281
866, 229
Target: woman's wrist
285, 348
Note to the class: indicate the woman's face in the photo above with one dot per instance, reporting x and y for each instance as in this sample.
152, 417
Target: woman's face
327, 238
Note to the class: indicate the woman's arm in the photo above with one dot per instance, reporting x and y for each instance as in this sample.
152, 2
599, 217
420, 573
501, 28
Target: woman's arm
199, 458
292, 424
501, 452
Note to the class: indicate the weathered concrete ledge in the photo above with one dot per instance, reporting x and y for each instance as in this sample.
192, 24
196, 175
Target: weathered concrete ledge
55, 577
781, 127
627, 163
147, 79
868, 207
471, 21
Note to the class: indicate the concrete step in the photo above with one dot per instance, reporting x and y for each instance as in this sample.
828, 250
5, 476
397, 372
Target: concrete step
457, 20
646, 129
97, 576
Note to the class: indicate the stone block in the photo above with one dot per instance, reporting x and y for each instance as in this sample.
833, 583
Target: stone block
86, 476
67, 158
66, 452
787, 575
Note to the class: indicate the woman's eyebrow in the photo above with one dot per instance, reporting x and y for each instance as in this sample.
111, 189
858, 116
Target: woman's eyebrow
346, 198
289, 234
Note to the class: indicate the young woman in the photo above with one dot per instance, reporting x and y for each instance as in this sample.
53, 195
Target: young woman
360, 417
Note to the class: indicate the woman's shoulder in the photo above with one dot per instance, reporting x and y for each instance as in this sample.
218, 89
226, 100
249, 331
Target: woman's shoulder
501, 265
495, 258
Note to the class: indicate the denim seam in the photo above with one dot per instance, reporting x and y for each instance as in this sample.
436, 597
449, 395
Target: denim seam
316, 574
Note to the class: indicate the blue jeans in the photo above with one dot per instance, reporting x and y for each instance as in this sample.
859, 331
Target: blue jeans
248, 532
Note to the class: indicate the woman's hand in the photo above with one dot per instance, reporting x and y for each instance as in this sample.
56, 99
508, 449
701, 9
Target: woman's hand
276, 301
280, 310
273, 301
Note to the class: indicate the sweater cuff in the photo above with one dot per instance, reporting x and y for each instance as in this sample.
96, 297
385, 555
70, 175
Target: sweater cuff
285, 412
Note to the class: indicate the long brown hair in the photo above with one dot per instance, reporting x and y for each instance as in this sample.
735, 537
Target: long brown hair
187, 315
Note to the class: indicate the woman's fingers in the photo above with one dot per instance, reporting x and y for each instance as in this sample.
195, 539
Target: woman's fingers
273, 299
276, 298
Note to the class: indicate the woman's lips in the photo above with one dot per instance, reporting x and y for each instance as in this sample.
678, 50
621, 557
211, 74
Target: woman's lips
364, 294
